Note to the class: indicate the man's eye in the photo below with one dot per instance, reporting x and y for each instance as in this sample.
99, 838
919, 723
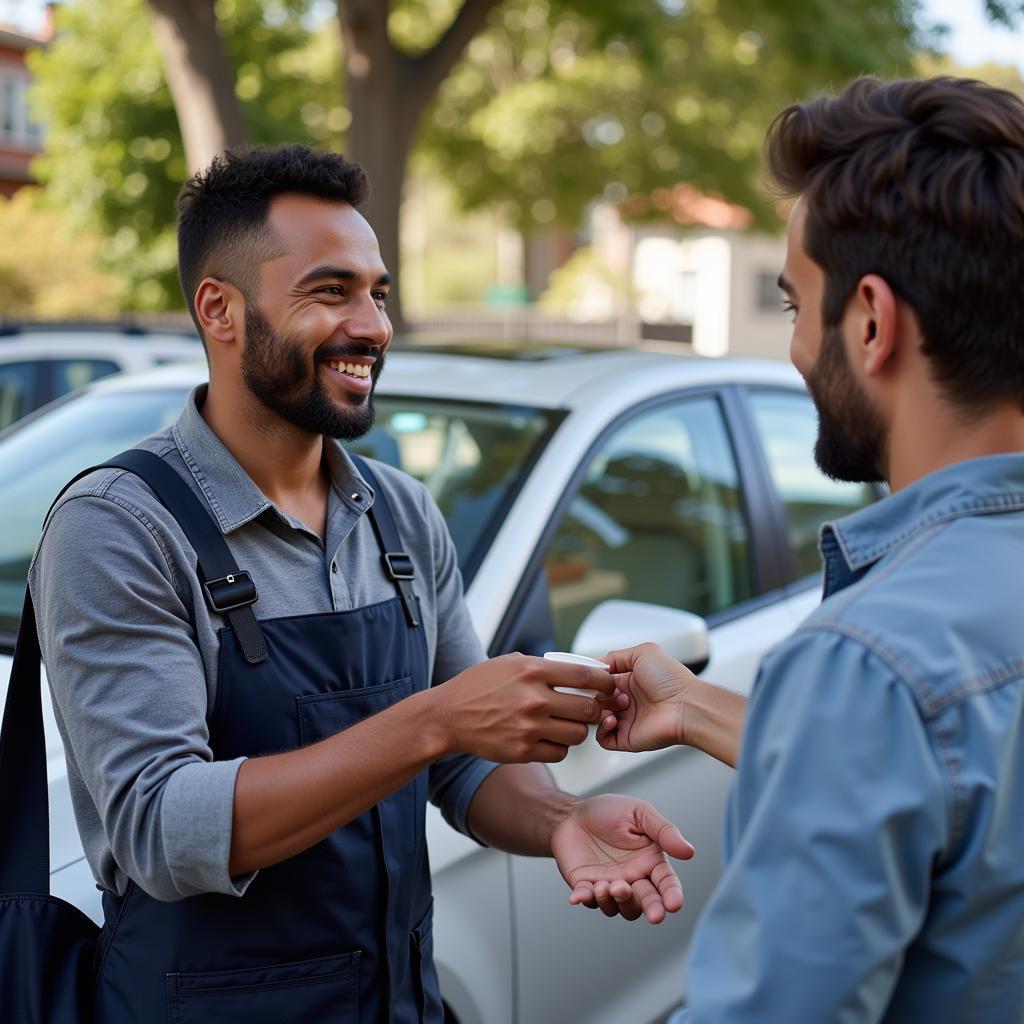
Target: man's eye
788, 307
330, 289
380, 296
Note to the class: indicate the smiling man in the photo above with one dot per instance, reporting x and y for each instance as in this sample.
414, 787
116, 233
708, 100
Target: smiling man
244, 643
874, 830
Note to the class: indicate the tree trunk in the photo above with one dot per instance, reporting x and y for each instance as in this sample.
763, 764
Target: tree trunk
388, 91
201, 78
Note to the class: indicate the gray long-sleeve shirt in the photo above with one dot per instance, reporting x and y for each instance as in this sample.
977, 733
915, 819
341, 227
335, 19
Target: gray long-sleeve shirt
130, 644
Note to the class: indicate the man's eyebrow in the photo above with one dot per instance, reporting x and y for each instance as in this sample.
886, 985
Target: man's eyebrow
338, 274
786, 285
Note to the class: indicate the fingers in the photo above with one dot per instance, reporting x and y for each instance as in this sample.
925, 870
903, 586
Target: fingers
619, 898
669, 887
564, 732
663, 832
548, 753
579, 677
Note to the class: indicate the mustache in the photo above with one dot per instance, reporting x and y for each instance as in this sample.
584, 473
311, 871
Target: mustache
350, 348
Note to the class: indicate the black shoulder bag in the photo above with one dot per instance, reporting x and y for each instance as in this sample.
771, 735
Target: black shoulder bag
47, 946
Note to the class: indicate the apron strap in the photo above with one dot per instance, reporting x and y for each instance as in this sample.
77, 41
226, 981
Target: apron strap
230, 591
398, 565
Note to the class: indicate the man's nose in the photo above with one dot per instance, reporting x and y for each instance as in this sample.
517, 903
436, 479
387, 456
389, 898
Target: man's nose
369, 323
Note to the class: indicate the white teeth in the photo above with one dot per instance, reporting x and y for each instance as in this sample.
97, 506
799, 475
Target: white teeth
352, 369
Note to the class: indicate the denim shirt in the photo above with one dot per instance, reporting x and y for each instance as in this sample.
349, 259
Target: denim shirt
875, 829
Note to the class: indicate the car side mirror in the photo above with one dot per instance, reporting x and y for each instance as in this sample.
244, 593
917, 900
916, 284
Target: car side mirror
613, 625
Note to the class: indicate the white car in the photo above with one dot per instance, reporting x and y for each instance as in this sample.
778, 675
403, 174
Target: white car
594, 498
41, 362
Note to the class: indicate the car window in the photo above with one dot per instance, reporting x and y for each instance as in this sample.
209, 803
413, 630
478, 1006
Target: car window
471, 458
71, 374
657, 518
37, 459
17, 391
788, 425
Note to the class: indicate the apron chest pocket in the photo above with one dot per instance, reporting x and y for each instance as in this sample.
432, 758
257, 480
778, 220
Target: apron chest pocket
326, 989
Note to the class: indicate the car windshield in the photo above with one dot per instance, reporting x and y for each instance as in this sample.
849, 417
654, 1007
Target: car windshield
471, 457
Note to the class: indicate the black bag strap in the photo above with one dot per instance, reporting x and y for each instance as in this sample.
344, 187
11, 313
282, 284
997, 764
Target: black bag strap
24, 804
398, 565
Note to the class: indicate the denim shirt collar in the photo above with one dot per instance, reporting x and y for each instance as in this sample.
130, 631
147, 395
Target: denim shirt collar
851, 545
233, 496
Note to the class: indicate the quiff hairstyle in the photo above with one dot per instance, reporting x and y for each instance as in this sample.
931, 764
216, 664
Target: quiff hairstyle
223, 230
922, 183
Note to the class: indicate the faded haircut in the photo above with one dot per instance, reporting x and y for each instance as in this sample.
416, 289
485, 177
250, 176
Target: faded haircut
223, 229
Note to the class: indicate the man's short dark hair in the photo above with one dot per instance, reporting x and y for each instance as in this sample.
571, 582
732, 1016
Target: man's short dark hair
922, 183
222, 210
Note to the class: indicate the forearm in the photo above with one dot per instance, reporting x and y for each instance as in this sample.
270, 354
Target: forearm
712, 721
285, 803
517, 807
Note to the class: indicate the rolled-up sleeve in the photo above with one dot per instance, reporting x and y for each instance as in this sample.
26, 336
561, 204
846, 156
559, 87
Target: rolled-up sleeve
453, 781
130, 696
839, 809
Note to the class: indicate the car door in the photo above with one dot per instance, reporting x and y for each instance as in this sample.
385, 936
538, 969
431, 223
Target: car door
660, 513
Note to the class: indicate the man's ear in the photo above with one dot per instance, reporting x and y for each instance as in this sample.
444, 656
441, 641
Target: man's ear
220, 308
875, 313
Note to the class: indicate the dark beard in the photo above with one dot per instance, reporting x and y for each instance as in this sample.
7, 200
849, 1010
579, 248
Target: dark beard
851, 432
277, 372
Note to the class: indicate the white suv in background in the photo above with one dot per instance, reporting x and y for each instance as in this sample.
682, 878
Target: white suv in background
41, 362
595, 499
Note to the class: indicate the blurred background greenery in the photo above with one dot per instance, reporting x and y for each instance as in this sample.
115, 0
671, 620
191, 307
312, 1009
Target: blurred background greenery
494, 131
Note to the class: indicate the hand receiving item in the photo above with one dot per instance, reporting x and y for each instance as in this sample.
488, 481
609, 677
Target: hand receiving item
613, 852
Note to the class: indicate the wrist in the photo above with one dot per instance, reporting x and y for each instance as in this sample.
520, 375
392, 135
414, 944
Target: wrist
434, 715
693, 711
557, 808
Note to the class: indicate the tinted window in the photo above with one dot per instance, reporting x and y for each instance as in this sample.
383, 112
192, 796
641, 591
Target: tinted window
17, 391
471, 458
40, 457
71, 374
788, 424
658, 518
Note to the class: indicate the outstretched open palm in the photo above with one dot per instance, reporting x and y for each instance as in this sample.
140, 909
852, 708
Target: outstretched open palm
612, 850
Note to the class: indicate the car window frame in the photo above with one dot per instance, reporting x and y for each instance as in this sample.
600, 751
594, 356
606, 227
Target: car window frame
764, 536
793, 581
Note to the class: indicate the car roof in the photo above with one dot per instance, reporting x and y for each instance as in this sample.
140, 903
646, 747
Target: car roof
562, 378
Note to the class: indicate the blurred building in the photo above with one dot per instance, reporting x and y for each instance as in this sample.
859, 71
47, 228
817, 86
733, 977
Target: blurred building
21, 139
697, 273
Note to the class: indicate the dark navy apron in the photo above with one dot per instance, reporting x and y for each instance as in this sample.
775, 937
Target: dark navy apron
342, 932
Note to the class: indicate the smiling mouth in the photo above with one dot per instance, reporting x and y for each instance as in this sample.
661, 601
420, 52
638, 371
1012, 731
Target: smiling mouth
358, 371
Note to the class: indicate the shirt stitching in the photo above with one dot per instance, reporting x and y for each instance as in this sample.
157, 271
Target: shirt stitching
1000, 503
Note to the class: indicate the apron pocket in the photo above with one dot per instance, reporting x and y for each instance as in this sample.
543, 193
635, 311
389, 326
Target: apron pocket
323, 714
424, 972
326, 989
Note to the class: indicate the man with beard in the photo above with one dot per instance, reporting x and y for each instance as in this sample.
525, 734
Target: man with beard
873, 832
245, 632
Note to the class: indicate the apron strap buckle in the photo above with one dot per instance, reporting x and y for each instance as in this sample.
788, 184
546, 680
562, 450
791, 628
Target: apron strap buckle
236, 590
399, 566
401, 572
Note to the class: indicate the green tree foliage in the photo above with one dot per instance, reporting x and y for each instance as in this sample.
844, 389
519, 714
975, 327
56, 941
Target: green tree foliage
563, 101
114, 158
46, 271
556, 103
